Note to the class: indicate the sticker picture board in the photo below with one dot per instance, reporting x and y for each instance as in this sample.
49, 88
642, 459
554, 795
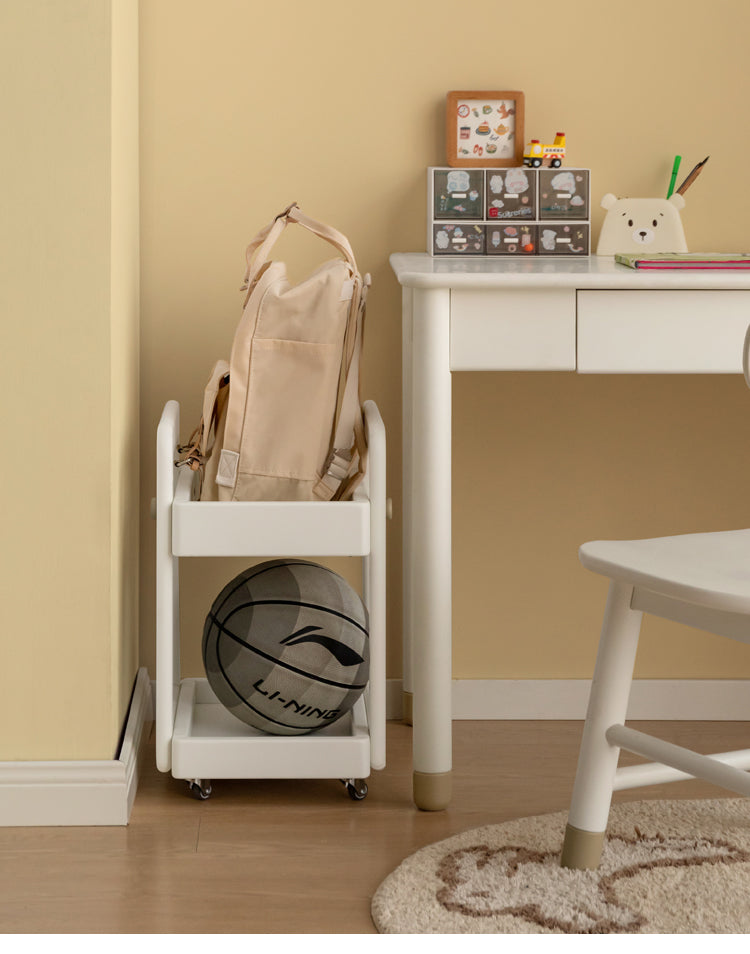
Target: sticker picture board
458, 193
450, 238
512, 194
563, 193
511, 238
485, 128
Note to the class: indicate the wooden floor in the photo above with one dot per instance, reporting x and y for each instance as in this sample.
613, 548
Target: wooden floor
264, 857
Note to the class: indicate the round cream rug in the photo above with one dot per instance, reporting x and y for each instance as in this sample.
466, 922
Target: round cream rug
668, 867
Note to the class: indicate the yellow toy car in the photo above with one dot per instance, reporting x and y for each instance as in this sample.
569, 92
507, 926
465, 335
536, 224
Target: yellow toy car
538, 154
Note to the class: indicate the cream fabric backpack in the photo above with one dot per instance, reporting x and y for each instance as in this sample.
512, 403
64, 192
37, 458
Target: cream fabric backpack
282, 420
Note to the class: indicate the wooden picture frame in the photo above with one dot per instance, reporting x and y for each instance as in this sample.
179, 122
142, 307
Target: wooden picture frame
485, 128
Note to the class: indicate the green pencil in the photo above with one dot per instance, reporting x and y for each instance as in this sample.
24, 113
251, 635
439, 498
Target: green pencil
675, 170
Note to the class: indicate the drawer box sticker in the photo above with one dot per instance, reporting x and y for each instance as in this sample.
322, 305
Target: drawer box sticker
563, 194
458, 239
511, 239
458, 193
570, 238
511, 194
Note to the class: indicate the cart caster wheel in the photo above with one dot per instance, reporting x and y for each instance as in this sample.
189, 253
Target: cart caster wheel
199, 789
355, 787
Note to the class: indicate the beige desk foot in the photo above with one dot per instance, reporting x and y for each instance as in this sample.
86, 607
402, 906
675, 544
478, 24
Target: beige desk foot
581, 849
407, 702
432, 792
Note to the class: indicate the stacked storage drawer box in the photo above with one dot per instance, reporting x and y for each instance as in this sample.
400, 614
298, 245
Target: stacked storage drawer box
517, 211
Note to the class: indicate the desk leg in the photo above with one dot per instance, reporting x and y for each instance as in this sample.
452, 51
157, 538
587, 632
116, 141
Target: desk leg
406, 449
429, 555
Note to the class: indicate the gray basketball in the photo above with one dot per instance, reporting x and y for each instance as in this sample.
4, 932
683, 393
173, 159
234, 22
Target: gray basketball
286, 647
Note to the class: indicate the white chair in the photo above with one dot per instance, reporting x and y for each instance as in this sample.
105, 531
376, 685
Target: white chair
699, 579
197, 739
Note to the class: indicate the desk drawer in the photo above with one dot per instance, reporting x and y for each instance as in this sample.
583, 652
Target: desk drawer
661, 331
513, 330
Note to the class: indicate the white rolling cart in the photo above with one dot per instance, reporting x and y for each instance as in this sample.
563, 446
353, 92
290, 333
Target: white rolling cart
197, 739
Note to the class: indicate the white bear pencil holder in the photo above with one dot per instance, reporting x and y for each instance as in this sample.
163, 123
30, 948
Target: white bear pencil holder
642, 225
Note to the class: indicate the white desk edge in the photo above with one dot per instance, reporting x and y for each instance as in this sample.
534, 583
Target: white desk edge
420, 270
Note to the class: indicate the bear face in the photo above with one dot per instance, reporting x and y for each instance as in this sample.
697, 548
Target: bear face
648, 225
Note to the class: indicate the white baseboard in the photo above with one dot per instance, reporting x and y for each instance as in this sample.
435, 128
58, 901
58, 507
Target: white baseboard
660, 699
102, 792
79, 792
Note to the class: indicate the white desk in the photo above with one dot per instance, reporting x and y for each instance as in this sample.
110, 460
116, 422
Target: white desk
543, 314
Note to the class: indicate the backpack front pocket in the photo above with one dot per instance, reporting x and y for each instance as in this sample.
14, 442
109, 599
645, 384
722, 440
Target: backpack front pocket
292, 394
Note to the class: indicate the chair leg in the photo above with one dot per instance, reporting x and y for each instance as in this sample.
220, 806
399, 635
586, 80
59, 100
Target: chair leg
608, 702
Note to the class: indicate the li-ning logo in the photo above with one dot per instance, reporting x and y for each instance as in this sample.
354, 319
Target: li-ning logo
344, 655
299, 708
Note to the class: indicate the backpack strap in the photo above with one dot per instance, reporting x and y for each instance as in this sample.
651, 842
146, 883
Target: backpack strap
258, 250
348, 444
200, 444
256, 254
331, 235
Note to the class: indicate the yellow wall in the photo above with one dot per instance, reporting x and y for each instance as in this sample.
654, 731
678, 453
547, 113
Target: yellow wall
68, 377
339, 105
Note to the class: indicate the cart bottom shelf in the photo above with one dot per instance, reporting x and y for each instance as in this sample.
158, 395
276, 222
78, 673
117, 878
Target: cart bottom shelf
208, 742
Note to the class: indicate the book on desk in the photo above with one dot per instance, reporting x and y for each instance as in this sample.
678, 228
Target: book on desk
697, 260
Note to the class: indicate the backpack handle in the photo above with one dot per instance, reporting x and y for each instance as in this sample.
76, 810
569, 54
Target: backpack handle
258, 250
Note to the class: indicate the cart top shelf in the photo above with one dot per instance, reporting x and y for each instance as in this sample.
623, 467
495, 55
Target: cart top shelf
267, 528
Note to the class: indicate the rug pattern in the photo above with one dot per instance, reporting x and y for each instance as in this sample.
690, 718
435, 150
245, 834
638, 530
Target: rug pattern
671, 867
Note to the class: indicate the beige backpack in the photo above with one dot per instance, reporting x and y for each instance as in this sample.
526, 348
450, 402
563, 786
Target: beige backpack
283, 419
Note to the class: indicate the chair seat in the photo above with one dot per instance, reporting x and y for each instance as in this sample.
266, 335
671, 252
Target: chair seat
708, 569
